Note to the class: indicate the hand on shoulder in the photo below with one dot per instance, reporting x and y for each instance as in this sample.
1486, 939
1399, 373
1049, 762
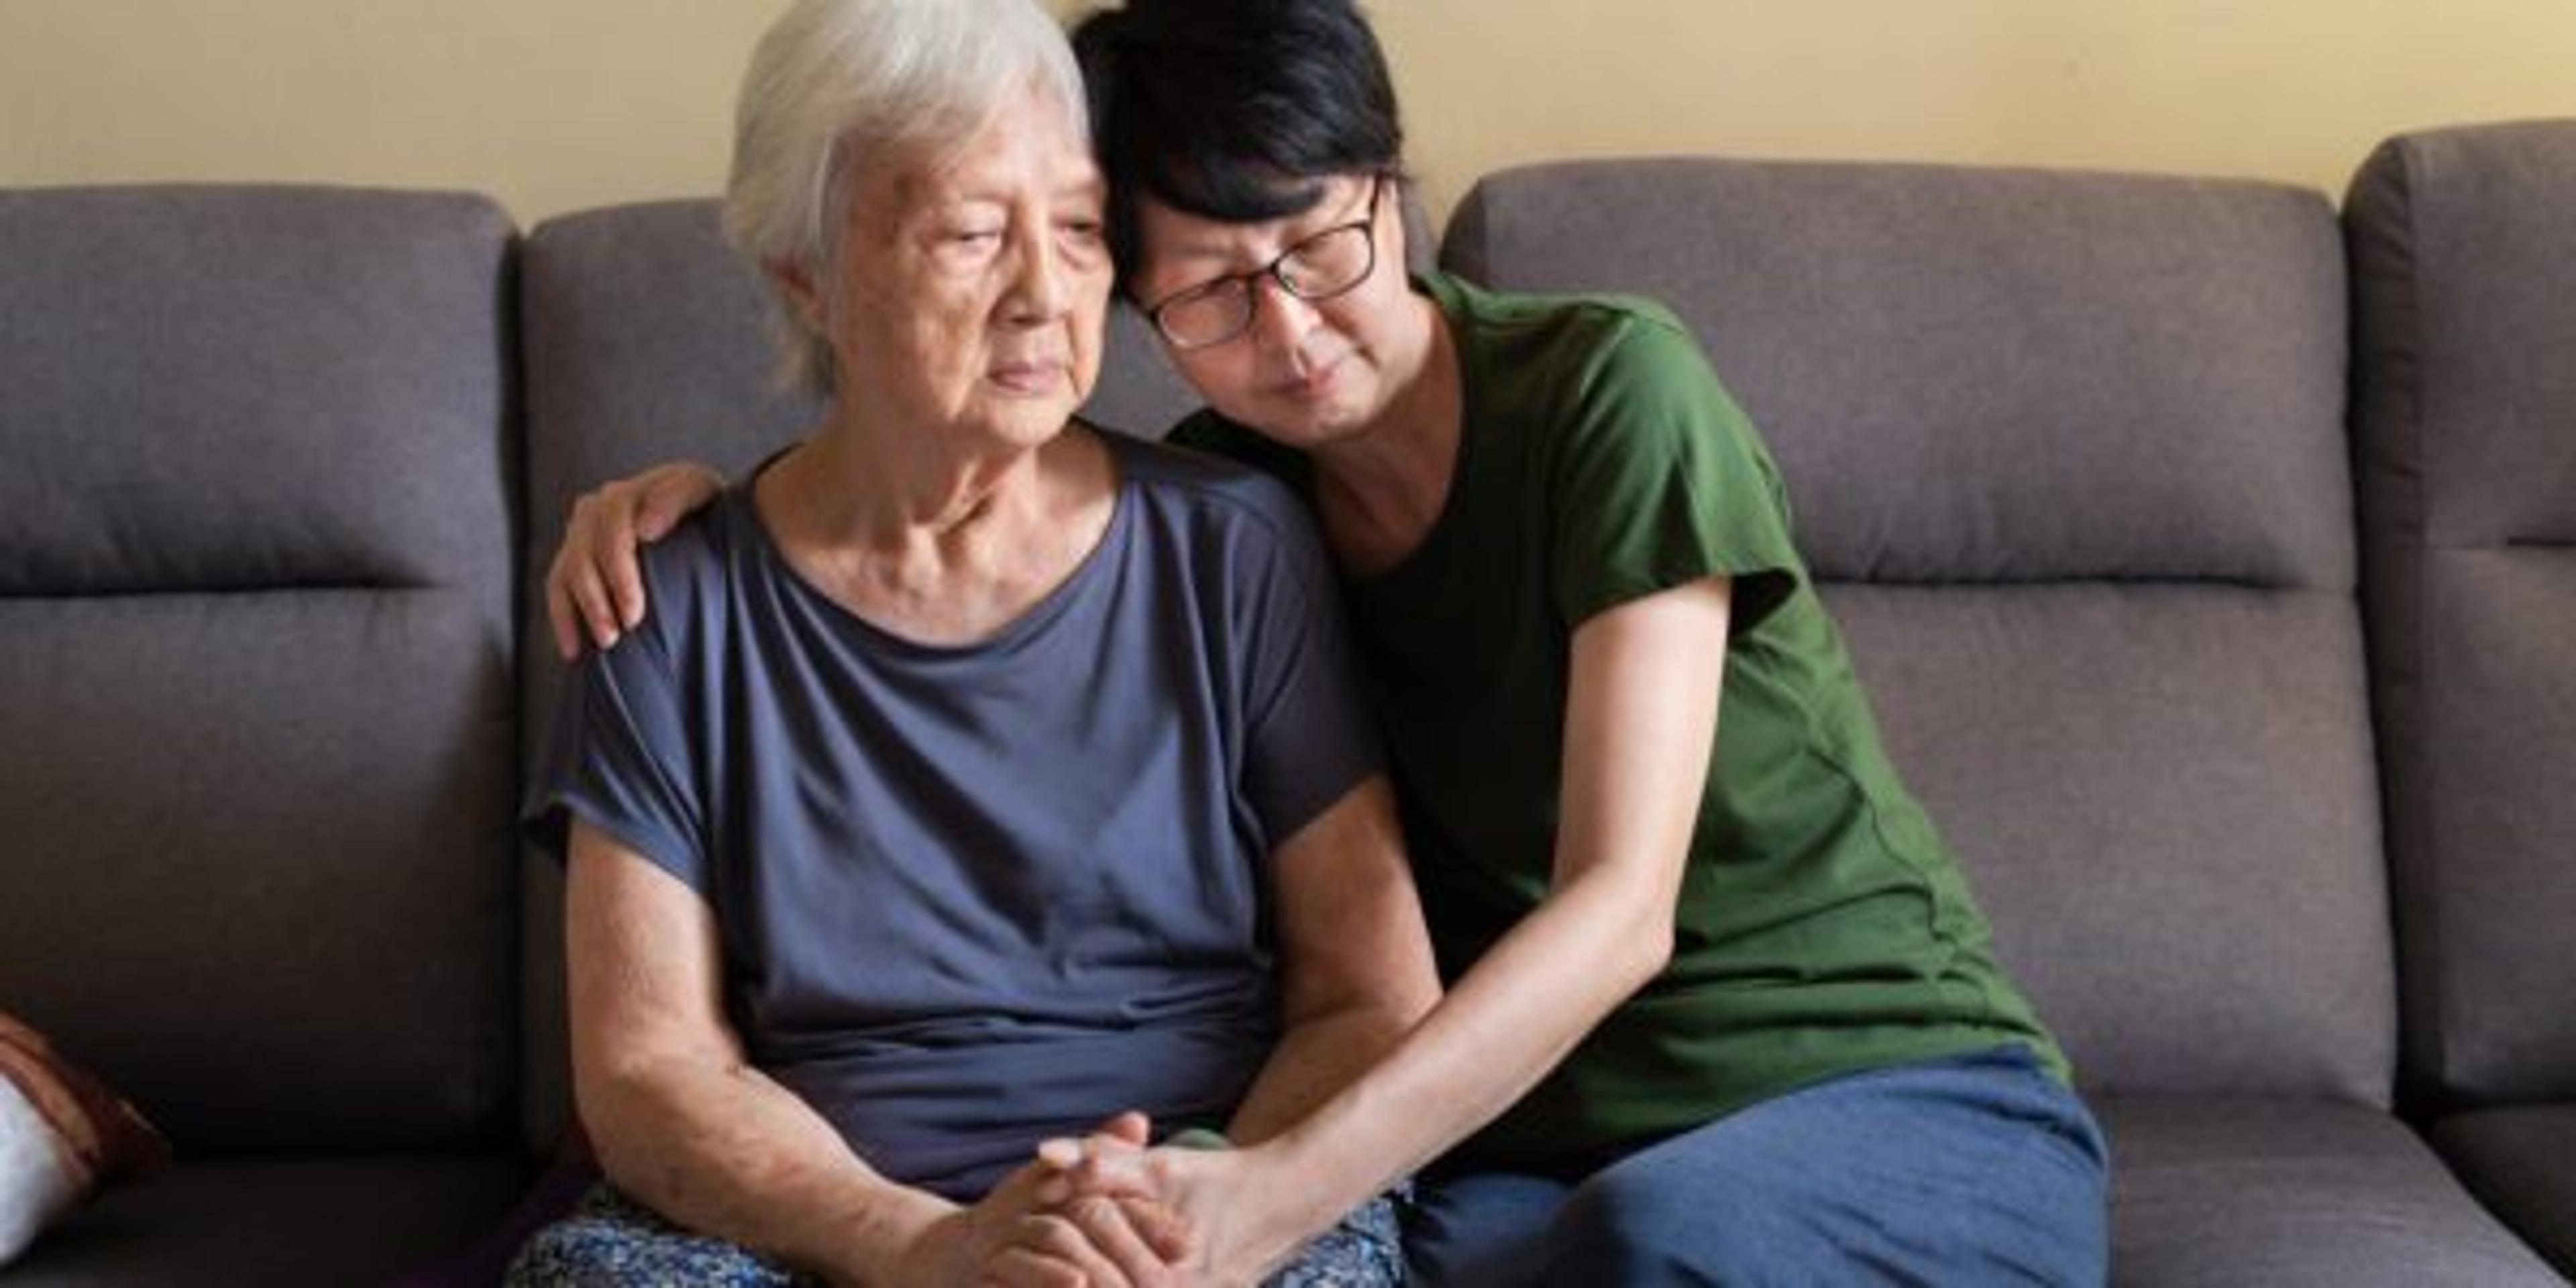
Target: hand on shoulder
596, 580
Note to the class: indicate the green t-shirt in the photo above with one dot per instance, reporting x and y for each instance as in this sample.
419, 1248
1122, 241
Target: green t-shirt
1823, 926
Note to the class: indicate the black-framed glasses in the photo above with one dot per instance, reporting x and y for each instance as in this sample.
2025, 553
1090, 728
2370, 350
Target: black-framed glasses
1316, 268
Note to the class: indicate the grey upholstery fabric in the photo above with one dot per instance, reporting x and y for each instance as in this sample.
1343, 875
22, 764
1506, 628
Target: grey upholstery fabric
2068, 451
1986, 375
260, 881
251, 389
2464, 280
271, 1222
2163, 800
2522, 1162
2286, 1194
255, 658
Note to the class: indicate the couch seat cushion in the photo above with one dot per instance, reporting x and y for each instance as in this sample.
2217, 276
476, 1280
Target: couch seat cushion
2283, 1193
2522, 1162
259, 1221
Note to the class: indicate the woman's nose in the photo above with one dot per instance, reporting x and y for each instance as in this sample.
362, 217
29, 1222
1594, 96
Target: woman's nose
1280, 320
1041, 287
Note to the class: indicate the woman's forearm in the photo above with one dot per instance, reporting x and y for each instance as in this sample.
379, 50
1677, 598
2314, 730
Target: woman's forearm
680, 1119
1640, 720
1509, 1021
726, 1151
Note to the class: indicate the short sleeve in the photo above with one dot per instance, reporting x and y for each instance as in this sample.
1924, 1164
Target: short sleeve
1308, 737
1661, 481
619, 759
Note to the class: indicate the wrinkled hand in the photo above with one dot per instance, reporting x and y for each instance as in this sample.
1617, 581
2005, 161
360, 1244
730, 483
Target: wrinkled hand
1012, 1239
595, 580
1208, 1191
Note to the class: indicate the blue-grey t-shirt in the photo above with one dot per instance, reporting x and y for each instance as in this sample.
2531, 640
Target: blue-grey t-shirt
972, 897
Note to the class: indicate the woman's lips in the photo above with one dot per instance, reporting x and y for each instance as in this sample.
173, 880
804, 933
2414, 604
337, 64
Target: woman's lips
1025, 377
1317, 381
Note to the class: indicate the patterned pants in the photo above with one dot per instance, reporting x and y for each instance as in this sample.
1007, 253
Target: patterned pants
612, 1241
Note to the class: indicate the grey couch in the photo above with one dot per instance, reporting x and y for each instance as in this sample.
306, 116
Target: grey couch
2206, 554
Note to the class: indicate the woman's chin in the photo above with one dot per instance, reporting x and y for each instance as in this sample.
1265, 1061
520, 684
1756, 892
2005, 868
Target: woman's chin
1025, 423
1305, 425
1026, 405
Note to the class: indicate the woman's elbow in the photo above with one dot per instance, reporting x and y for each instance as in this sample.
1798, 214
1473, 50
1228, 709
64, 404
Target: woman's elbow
1407, 981
629, 1100
1387, 997
1413, 996
1642, 943
1647, 952
615, 1103
1620, 921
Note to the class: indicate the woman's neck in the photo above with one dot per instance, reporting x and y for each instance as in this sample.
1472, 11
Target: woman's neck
940, 551
1378, 492
860, 483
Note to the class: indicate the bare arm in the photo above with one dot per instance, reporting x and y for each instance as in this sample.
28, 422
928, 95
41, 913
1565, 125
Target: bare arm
684, 1124
1355, 963
1640, 722
680, 1120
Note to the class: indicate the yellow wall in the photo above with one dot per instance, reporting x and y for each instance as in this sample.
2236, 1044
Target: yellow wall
557, 104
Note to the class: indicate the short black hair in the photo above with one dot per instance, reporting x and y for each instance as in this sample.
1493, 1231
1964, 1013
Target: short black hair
1233, 110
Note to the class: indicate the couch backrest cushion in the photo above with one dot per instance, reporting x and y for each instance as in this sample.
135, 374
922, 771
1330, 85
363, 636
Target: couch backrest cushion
255, 656
2464, 286
2067, 452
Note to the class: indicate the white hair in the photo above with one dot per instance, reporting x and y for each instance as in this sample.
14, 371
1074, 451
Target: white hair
836, 80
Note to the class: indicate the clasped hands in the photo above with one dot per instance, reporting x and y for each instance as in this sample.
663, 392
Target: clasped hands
1103, 1211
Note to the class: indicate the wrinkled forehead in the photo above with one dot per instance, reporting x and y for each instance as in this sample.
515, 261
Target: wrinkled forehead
1028, 144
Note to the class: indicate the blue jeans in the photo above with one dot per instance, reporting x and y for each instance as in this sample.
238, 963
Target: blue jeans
1977, 1169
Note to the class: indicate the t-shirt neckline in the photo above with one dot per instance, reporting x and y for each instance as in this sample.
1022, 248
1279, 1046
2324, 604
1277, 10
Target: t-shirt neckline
1031, 621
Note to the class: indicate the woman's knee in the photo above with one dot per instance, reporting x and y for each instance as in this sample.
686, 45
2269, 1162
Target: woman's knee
1625, 1228
575, 1252
1480, 1230
612, 1242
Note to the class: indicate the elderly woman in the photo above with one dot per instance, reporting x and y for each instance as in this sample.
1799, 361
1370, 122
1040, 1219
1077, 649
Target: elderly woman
976, 776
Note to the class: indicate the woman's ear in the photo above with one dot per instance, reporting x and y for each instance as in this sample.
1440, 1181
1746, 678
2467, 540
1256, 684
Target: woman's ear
1400, 221
799, 286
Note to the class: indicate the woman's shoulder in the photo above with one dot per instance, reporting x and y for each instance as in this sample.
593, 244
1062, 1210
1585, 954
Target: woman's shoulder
1206, 497
1226, 486
1597, 369
689, 569
1560, 329
697, 548
1560, 359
